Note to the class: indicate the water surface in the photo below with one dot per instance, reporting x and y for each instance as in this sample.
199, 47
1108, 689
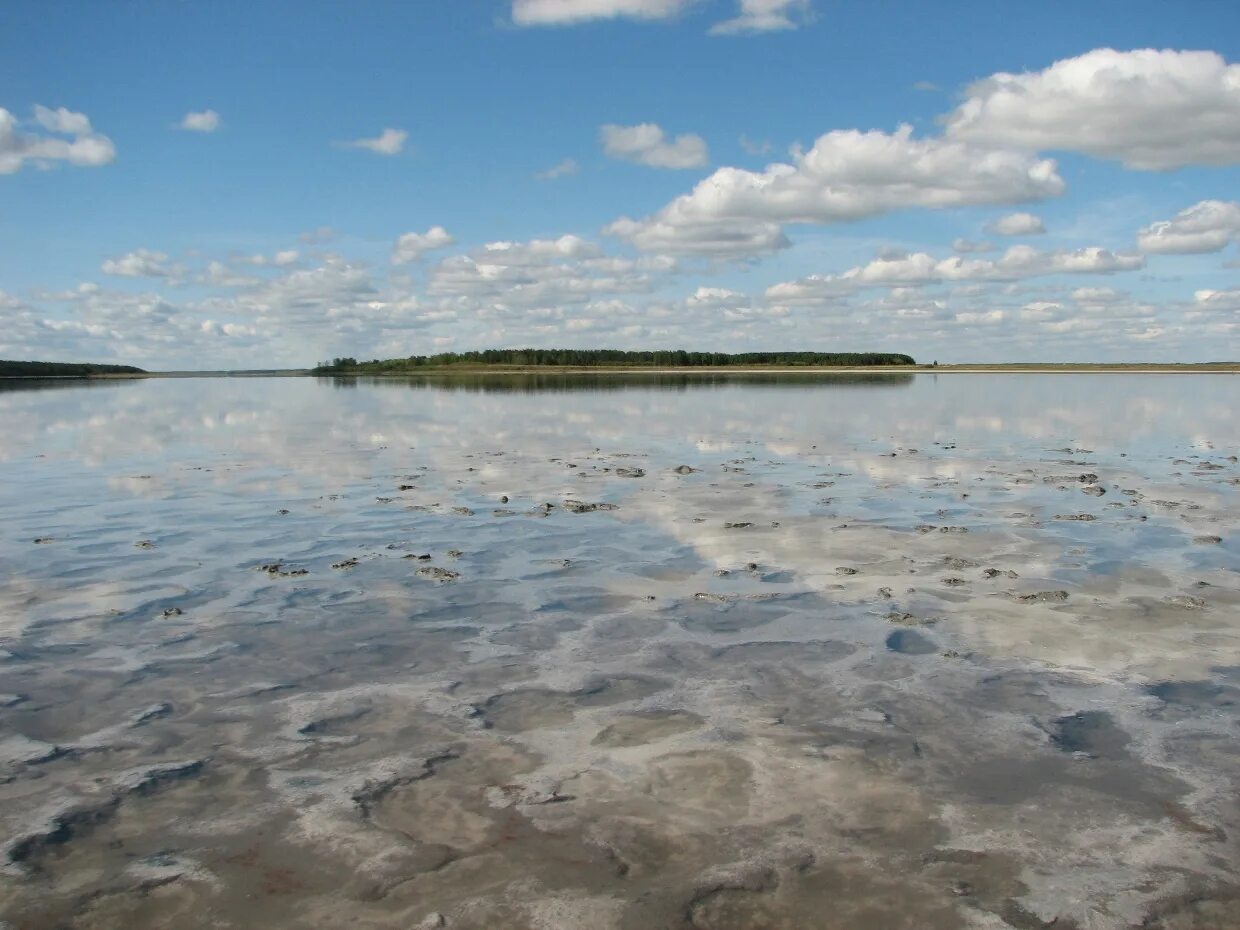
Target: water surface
701, 651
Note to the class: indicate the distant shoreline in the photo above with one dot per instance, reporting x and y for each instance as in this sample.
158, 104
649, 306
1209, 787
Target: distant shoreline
449, 371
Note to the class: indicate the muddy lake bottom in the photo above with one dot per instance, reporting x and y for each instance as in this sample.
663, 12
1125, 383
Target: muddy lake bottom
718, 651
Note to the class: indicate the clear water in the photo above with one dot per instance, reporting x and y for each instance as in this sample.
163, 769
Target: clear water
277, 653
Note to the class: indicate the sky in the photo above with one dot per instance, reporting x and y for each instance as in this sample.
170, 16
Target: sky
274, 183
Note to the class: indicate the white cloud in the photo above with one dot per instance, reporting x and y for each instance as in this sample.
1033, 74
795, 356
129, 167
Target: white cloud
536, 251
62, 121
970, 245
1018, 262
388, 142
411, 245
647, 144
763, 16
84, 148
563, 169
1204, 227
981, 318
570, 12
541, 274
1150, 109
1228, 300
847, 175
280, 259
206, 121
1016, 224
140, 263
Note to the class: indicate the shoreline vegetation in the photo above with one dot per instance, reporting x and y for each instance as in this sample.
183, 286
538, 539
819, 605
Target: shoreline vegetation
606, 361
16, 369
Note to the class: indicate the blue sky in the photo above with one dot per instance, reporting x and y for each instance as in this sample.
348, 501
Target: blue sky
265, 229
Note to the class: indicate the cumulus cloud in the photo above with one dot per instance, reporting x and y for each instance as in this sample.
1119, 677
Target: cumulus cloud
1204, 227
543, 274
1149, 109
1020, 261
140, 263
412, 245
647, 144
571, 12
847, 175
205, 121
388, 142
563, 169
84, 147
763, 16
1016, 224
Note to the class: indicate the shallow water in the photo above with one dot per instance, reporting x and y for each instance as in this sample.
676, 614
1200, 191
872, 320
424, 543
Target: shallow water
816, 652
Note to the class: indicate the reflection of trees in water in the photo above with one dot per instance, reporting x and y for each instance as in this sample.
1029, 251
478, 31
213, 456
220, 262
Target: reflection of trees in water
567, 382
45, 384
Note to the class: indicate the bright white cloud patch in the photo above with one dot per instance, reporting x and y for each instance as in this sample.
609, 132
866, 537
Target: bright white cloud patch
1016, 224
412, 245
388, 142
84, 147
570, 12
648, 144
1150, 109
763, 16
205, 121
1020, 261
140, 263
1204, 227
847, 175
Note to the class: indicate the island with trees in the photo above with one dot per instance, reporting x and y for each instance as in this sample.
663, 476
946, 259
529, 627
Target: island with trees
609, 358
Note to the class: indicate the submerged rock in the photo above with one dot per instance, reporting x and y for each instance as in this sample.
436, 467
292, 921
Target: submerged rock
1043, 597
435, 573
584, 507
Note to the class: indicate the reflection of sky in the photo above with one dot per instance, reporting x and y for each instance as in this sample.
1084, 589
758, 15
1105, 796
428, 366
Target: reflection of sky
299, 423
884, 455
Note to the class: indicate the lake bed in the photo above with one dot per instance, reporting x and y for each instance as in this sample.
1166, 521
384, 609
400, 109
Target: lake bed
704, 651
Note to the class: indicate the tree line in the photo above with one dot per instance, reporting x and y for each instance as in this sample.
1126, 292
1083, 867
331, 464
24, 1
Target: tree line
63, 369
587, 358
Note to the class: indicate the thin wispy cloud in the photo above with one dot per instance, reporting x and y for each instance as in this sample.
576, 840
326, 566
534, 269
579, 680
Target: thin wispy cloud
560, 170
754, 16
573, 12
204, 121
388, 142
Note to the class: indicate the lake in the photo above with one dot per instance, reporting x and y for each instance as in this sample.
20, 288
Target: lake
621, 651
